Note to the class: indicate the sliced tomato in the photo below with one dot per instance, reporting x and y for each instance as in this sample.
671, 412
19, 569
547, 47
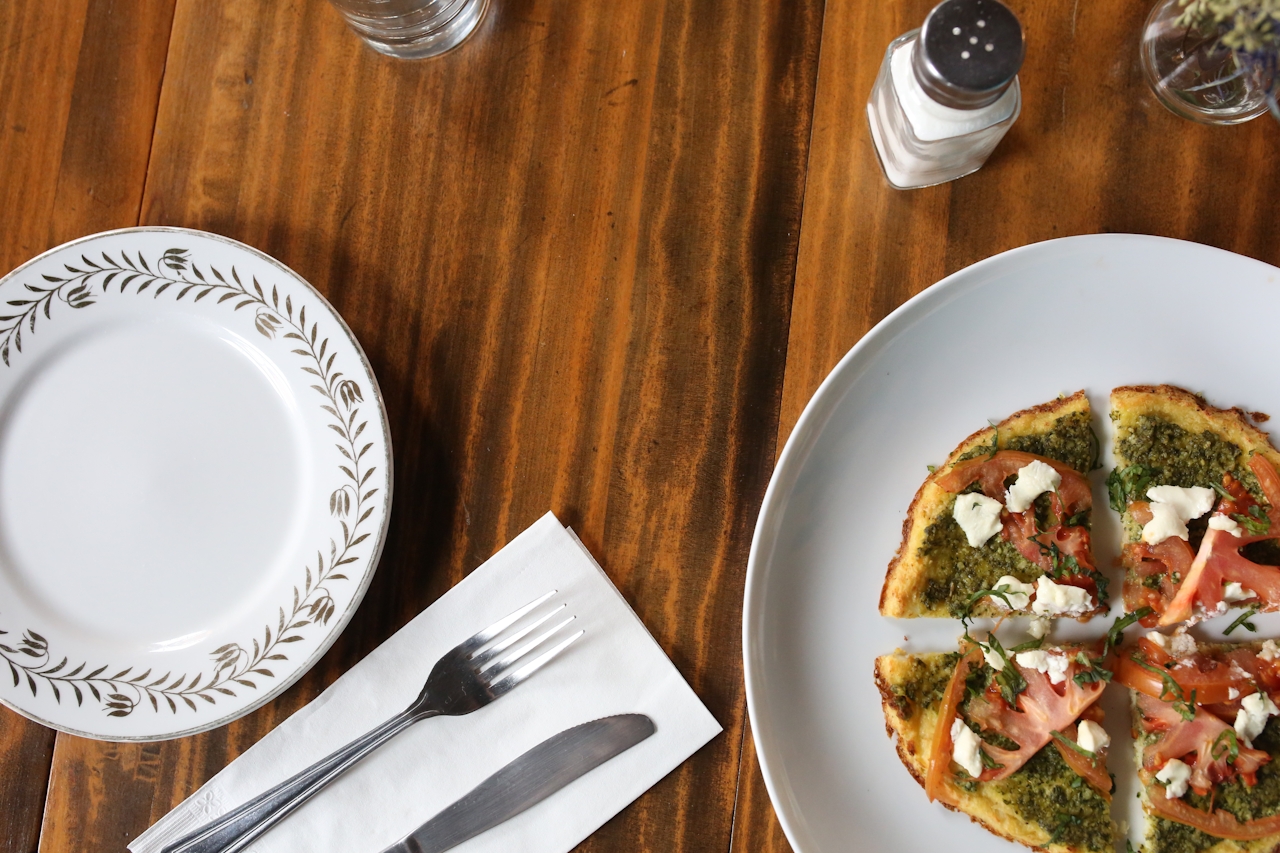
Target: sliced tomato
1042, 709
1211, 680
1217, 822
1198, 737
1219, 560
1169, 559
1268, 479
992, 471
940, 750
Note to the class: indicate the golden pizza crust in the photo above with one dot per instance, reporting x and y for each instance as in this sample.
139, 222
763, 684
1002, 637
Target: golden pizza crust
915, 733
1192, 413
904, 584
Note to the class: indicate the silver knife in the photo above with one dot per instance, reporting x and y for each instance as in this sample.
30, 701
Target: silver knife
527, 781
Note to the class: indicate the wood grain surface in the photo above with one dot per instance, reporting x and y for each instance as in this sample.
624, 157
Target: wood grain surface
568, 249
1093, 151
79, 84
600, 257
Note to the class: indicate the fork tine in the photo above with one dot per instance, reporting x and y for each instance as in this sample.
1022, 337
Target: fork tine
485, 635
495, 670
483, 657
529, 669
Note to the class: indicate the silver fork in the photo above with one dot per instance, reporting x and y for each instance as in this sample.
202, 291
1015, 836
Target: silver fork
469, 676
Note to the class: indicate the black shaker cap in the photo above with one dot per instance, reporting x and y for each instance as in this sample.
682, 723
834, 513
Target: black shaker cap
969, 52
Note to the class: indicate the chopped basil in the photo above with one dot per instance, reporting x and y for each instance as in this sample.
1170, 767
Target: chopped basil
1242, 621
1070, 744
1185, 707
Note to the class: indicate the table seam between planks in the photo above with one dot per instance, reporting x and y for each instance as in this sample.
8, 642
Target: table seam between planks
779, 440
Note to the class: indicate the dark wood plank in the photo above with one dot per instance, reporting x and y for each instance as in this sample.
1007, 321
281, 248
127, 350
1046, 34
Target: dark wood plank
568, 249
1092, 152
79, 85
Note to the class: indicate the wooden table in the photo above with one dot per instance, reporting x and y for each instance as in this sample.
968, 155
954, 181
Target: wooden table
600, 257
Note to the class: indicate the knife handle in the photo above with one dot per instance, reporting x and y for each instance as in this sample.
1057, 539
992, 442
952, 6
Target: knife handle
238, 828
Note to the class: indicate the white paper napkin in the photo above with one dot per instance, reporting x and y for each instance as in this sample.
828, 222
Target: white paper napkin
615, 668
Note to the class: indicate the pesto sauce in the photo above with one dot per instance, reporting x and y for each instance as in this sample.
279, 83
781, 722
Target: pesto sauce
1044, 791
1047, 792
925, 684
955, 570
1184, 458
1071, 441
1262, 800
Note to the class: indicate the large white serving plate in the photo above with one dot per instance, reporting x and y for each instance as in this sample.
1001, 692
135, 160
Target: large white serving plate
1012, 331
195, 482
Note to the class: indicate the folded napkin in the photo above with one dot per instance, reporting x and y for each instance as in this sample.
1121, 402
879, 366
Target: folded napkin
615, 668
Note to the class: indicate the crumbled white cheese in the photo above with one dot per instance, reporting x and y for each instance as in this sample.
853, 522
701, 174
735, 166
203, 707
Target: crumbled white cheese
1159, 639
1052, 664
1269, 650
1019, 593
1191, 502
965, 746
1182, 644
1034, 480
1038, 627
1175, 775
1233, 592
1053, 599
1091, 736
978, 516
1251, 719
1232, 694
1223, 522
1171, 508
993, 658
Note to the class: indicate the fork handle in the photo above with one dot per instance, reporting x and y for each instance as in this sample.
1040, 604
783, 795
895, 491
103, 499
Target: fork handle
236, 829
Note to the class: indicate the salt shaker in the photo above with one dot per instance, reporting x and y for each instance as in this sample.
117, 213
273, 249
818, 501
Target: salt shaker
947, 93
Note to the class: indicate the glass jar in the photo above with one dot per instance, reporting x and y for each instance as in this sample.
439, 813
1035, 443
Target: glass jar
1193, 75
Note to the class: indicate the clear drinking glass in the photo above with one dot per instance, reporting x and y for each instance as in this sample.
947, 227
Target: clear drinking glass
1193, 75
412, 29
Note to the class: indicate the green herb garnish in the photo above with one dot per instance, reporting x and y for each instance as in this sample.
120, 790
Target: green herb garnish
1242, 621
1008, 678
1091, 672
1065, 821
1116, 631
1181, 704
1068, 742
1129, 484
1256, 522
1226, 744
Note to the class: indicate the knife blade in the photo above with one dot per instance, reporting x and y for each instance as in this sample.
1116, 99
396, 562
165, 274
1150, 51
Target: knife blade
527, 781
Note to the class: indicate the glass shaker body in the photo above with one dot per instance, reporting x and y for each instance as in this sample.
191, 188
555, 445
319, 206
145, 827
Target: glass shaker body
921, 142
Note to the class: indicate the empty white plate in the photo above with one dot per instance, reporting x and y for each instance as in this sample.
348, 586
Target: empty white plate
1012, 331
195, 482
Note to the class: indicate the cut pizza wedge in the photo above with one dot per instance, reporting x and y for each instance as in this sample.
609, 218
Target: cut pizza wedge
1206, 743
1011, 738
1004, 523
1200, 497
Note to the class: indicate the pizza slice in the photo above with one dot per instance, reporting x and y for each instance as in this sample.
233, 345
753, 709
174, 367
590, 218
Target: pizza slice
1004, 523
1200, 497
1207, 740
1012, 738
